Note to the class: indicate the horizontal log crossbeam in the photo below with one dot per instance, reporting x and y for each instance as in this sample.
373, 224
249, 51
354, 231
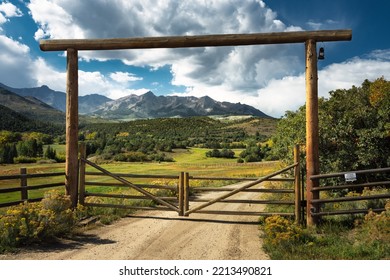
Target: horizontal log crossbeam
218, 40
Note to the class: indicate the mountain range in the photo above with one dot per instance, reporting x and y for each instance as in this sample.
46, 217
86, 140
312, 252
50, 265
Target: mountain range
149, 105
57, 99
39, 102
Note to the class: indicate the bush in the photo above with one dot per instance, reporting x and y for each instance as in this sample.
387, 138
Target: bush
369, 239
224, 153
281, 231
36, 222
376, 227
23, 159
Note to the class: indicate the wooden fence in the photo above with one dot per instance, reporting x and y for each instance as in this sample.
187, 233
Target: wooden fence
24, 186
351, 183
183, 192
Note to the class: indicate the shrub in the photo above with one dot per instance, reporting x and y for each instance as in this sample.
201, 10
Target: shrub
36, 222
281, 231
23, 159
376, 227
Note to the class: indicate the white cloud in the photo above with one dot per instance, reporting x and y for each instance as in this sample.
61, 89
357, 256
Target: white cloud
235, 67
124, 77
10, 10
16, 64
289, 93
268, 77
89, 82
54, 21
44, 74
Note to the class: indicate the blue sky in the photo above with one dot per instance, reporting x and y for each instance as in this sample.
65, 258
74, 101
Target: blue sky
270, 78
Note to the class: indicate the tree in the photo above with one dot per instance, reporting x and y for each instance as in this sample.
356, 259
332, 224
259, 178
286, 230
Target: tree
252, 153
50, 153
224, 153
7, 153
354, 129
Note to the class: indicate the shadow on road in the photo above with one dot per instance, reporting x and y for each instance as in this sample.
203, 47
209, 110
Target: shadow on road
69, 243
195, 220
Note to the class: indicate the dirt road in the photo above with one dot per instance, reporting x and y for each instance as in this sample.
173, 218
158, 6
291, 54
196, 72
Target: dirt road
165, 236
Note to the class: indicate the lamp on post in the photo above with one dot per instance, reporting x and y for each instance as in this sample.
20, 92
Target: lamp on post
321, 54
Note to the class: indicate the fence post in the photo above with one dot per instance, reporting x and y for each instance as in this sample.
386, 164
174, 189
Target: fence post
83, 154
181, 194
312, 137
23, 183
186, 192
297, 185
71, 126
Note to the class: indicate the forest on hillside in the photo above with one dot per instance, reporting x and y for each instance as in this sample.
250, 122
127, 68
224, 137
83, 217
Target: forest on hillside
354, 134
144, 140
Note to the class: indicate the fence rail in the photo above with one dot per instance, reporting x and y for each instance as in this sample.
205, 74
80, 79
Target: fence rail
24, 186
348, 186
194, 191
184, 193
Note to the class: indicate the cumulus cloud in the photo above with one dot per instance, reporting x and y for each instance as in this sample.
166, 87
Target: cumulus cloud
53, 20
124, 77
16, 63
8, 10
44, 74
89, 82
235, 67
289, 93
270, 78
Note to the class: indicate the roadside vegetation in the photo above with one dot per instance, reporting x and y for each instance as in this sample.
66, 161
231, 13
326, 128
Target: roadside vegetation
30, 223
354, 134
367, 238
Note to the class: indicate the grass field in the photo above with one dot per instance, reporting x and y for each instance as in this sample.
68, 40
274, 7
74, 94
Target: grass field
192, 160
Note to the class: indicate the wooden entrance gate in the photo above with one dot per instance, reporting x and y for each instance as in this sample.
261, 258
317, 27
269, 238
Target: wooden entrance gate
184, 198
309, 38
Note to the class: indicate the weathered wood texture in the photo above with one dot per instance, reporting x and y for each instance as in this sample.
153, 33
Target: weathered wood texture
196, 41
23, 183
297, 185
24, 186
312, 136
246, 186
82, 168
131, 185
72, 123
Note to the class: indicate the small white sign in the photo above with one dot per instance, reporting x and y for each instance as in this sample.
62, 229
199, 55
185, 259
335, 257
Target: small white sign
350, 177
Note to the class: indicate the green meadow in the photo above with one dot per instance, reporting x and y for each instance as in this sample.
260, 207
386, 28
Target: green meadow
191, 160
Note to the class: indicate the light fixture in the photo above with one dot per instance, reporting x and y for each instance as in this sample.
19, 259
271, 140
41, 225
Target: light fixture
321, 54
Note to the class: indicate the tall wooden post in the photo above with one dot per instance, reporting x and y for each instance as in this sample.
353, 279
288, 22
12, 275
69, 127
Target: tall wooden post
82, 167
297, 185
186, 192
181, 194
71, 168
312, 135
23, 183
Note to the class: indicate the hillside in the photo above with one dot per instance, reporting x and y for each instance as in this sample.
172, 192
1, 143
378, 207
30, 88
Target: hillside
13, 121
57, 99
132, 106
31, 107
